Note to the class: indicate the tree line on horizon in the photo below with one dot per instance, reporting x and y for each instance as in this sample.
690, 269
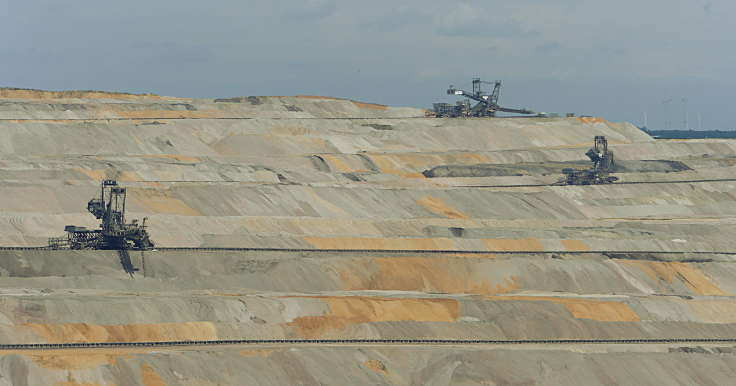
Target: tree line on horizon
690, 134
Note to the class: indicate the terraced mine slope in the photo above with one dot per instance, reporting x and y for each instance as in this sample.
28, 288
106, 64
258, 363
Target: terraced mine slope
308, 218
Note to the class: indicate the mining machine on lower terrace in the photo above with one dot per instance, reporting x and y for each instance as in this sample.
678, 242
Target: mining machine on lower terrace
603, 164
114, 232
486, 104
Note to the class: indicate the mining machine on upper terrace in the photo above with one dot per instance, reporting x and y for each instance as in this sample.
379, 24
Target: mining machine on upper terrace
114, 232
486, 104
603, 164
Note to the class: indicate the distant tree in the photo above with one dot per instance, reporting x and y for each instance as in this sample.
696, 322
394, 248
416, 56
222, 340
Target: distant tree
690, 134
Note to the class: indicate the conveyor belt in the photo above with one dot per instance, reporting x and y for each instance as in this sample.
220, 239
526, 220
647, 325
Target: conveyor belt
610, 253
63, 346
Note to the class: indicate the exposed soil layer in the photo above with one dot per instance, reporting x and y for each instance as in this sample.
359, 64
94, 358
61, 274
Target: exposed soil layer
296, 175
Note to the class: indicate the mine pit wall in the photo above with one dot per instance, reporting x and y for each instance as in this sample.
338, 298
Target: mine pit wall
372, 365
602, 218
182, 295
316, 174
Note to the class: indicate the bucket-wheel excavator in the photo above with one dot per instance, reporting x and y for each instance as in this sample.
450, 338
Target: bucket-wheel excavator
114, 232
486, 104
603, 164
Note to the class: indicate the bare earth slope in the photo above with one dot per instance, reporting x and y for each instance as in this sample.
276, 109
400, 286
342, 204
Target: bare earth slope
460, 236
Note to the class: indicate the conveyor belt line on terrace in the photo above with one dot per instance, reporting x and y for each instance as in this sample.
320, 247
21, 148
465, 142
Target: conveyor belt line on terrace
256, 183
62, 346
200, 118
615, 183
425, 251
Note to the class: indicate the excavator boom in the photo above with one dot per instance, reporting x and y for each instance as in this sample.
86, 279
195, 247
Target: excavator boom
487, 105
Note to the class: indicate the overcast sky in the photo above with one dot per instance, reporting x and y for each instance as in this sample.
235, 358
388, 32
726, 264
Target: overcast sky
616, 59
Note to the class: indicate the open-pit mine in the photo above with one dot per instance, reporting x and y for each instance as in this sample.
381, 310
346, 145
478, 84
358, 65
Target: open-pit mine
313, 240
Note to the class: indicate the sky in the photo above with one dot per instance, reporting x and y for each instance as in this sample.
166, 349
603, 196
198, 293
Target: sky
617, 59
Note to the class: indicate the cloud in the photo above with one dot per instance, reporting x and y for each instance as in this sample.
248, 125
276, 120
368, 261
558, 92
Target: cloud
548, 48
466, 20
308, 10
391, 18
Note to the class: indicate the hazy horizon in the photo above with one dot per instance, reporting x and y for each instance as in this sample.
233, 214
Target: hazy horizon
616, 60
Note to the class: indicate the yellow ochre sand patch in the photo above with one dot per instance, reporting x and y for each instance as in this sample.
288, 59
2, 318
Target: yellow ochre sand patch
150, 377
376, 366
389, 164
591, 120
128, 176
100, 174
347, 311
175, 157
692, 277
42, 94
77, 359
438, 243
439, 207
337, 162
603, 311
83, 332
528, 244
95, 174
317, 97
72, 362
574, 245
161, 201
321, 203
372, 106
440, 274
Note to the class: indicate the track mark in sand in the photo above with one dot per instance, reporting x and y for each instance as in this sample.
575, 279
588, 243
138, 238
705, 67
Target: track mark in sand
714, 311
263, 353
322, 203
72, 381
95, 174
438, 206
350, 310
83, 332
